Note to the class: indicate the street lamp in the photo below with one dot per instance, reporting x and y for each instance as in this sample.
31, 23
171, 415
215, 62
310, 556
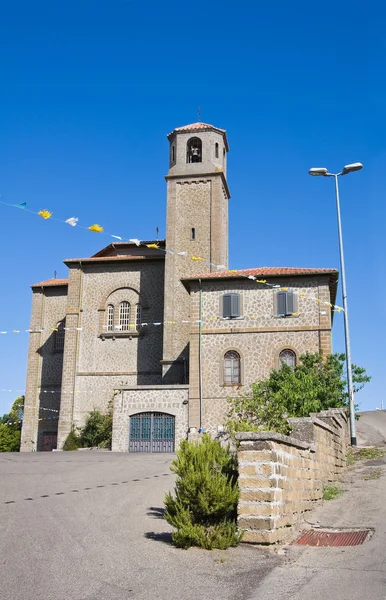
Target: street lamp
322, 172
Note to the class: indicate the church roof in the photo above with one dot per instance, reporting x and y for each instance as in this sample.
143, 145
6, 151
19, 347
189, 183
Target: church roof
121, 251
195, 127
271, 272
261, 271
50, 282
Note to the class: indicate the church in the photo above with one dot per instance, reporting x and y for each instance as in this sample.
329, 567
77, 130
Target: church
161, 330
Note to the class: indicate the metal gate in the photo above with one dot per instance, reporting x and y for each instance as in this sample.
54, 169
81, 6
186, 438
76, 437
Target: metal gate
151, 432
49, 441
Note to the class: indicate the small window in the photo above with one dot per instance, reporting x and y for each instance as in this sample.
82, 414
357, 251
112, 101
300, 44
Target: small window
287, 357
194, 150
124, 316
110, 317
173, 154
231, 306
232, 373
59, 336
138, 316
285, 304
193, 233
216, 150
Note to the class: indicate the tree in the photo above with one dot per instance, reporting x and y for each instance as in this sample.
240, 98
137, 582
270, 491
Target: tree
10, 427
311, 386
204, 508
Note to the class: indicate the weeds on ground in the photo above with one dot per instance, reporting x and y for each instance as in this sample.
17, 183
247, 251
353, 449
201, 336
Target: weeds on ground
355, 454
331, 491
375, 474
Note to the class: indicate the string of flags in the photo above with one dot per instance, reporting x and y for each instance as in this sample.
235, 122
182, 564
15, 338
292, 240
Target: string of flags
73, 221
133, 326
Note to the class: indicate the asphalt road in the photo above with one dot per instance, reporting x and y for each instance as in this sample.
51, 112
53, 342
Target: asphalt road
87, 526
371, 428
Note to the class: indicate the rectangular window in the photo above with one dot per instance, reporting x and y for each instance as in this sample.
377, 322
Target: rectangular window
286, 304
231, 306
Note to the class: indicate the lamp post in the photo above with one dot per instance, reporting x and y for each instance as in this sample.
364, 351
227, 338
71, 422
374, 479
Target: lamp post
321, 172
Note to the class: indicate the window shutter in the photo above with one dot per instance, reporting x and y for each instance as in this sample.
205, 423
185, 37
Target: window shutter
281, 304
235, 305
226, 306
290, 308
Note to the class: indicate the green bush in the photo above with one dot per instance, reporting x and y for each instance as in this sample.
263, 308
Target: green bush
204, 508
10, 427
72, 441
97, 431
314, 384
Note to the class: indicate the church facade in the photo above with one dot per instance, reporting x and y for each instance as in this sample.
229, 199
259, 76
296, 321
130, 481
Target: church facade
162, 331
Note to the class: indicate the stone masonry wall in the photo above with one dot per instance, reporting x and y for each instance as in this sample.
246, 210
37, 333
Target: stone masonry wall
282, 477
170, 399
44, 373
258, 336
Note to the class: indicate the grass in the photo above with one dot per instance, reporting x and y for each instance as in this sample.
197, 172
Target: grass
355, 454
331, 491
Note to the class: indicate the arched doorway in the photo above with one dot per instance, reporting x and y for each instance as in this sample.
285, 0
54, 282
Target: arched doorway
152, 432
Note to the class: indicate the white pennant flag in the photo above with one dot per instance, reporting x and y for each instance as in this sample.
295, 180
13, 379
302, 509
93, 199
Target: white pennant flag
72, 221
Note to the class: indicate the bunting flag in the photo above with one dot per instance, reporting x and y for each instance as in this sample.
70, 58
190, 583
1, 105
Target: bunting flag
22, 205
155, 246
72, 221
46, 214
97, 228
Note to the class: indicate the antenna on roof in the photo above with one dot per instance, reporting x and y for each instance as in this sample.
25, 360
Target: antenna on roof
54, 274
157, 231
199, 114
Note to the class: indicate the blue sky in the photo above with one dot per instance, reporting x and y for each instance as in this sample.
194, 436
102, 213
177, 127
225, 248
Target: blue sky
89, 90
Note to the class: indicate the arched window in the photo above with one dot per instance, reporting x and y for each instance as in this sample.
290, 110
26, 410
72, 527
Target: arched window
110, 317
232, 373
216, 150
124, 316
194, 150
138, 316
59, 335
287, 357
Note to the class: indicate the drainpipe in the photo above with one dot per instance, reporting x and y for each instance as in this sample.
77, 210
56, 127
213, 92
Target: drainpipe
200, 356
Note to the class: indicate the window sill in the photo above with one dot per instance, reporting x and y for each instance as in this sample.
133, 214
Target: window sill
232, 318
234, 385
120, 334
286, 316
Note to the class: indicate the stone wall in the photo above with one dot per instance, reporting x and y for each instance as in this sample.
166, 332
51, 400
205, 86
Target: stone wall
170, 399
258, 336
282, 477
44, 372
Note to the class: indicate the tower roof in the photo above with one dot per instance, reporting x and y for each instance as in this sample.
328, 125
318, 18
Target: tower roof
196, 127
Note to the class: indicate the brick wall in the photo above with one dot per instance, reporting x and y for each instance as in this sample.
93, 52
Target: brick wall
282, 477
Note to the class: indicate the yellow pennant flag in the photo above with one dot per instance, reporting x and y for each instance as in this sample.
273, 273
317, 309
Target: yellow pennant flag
96, 227
156, 246
261, 281
284, 289
196, 258
46, 214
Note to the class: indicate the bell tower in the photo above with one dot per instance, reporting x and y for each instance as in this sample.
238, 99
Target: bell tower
196, 224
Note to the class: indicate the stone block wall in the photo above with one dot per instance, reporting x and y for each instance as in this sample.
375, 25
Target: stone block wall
282, 477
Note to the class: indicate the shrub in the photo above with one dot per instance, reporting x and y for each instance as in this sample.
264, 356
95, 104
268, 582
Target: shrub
72, 441
204, 508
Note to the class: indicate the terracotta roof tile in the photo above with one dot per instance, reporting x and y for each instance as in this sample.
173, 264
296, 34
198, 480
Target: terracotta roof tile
262, 271
51, 282
120, 257
199, 127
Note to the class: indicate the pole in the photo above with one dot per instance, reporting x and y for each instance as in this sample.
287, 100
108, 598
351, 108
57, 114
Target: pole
346, 326
200, 357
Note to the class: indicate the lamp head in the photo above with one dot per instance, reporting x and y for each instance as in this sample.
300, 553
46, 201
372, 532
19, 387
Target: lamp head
353, 167
318, 172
